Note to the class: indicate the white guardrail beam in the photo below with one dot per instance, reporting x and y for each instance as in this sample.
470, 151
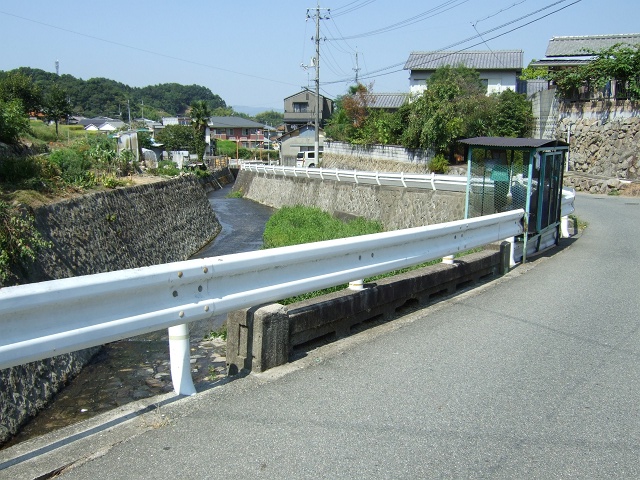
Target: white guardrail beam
50, 318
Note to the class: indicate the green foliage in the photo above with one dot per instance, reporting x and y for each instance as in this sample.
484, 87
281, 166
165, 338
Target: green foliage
453, 106
18, 86
200, 113
512, 115
177, 137
220, 333
13, 121
144, 140
236, 194
56, 106
533, 72
299, 224
74, 167
439, 164
19, 240
102, 96
271, 118
619, 62
32, 173
166, 168
112, 182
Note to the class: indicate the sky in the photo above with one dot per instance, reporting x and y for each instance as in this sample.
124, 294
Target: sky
256, 53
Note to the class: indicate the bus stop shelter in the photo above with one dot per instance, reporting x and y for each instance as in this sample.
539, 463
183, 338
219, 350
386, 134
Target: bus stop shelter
505, 173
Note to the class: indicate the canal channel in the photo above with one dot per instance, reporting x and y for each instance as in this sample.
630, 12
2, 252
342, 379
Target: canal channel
138, 368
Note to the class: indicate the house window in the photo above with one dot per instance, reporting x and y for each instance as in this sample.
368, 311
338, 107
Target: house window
245, 132
300, 107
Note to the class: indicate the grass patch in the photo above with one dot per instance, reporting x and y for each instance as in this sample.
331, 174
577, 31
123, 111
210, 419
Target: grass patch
299, 224
236, 194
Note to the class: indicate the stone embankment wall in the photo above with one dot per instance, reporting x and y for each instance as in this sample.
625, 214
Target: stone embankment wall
130, 227
395, 208
604, 138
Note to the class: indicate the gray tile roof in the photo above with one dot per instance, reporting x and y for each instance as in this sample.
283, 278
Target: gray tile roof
480, 60
386, 100
233, 122
583, 45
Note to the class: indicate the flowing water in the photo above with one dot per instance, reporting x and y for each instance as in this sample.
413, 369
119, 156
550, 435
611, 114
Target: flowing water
138, 368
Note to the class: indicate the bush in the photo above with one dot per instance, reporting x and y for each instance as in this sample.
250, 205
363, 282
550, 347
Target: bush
439, 164
19, 240
13, 121
33, 173
74, 166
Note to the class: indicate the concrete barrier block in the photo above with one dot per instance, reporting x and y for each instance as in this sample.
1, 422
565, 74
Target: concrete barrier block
257, 338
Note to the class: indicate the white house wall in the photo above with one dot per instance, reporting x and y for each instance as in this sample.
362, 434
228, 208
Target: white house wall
497, 81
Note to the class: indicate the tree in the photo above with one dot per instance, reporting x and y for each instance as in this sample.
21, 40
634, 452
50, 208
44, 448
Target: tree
271, 118
513, 115
200, 114
177, 137
17, 85
450, 108
56, 105
13, 121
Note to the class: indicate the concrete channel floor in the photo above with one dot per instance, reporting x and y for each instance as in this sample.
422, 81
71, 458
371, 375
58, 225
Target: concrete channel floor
534, 375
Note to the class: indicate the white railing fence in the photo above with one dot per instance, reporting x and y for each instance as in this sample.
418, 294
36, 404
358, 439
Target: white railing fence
50, 318
451, 183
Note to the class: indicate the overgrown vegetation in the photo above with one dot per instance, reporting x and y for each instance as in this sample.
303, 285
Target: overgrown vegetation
19, 240
620, 62
299, 224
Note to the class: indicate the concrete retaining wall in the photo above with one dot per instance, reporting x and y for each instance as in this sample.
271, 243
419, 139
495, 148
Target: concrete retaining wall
264, 337
130, 227
395, 208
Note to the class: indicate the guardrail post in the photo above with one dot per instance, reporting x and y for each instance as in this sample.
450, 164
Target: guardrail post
564, 227
180, 358
357, 285
448, 259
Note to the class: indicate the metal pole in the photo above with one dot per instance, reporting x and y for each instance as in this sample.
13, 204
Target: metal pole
180, 358
316, 143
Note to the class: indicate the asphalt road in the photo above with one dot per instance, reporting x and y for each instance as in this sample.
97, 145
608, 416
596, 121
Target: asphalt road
535, 375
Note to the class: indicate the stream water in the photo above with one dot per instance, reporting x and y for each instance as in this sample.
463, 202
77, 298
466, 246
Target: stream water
138, 368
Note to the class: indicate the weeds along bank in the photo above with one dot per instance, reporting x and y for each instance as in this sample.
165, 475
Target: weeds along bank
130, 227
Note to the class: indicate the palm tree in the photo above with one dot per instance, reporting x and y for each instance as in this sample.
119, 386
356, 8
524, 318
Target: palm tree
200, 113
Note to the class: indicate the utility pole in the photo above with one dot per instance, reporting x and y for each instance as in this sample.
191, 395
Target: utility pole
316, 144
357, 69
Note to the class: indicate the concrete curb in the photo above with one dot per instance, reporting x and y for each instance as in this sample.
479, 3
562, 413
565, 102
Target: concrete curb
263, 337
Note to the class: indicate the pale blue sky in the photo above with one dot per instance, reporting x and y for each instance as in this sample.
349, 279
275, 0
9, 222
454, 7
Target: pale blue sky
250, 52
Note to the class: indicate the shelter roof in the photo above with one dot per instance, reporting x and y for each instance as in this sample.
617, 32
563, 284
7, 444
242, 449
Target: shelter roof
513, 142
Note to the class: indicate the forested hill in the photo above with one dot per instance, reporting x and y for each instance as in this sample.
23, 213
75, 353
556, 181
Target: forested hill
101, 96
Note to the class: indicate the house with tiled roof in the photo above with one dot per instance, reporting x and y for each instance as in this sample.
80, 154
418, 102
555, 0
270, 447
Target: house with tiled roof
573, 51
386, 101
247, 133
499, 69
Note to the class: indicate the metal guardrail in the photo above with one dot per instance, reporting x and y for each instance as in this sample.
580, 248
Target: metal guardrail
50, 318
451, 183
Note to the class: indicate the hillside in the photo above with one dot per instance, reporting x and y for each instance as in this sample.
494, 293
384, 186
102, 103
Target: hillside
102, 96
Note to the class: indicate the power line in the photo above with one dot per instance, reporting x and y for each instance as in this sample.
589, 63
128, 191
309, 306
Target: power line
146, 51
369, 75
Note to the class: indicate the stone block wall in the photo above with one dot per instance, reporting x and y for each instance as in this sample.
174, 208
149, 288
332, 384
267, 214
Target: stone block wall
604, 138
129, 227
